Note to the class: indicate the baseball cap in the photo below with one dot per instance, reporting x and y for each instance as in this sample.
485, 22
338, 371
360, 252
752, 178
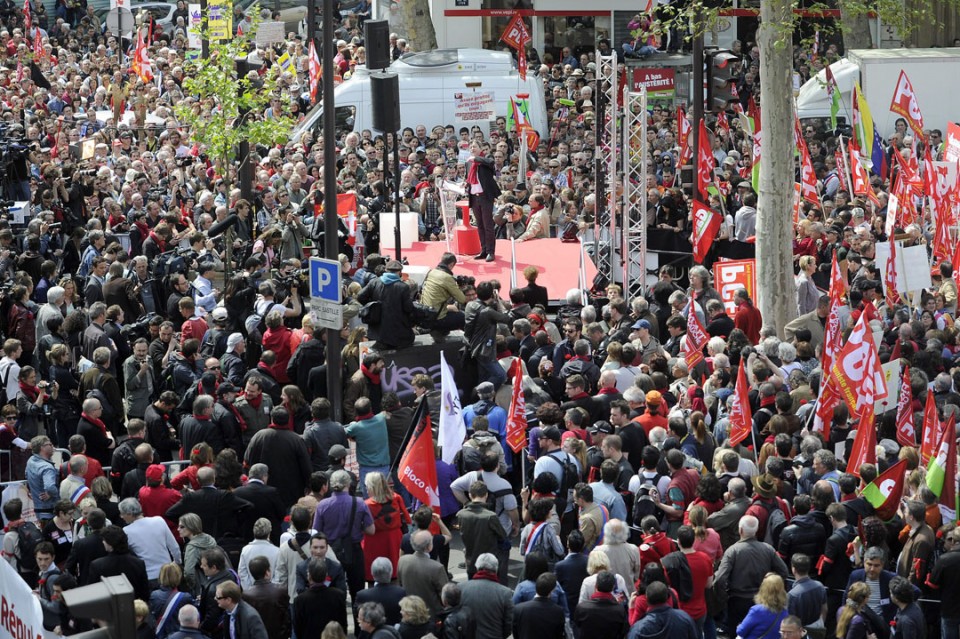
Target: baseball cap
485, 389
337, 451
154, 472
219, 315
227, 387
233, 341
602, 427
641, 324
551, 432
654, 398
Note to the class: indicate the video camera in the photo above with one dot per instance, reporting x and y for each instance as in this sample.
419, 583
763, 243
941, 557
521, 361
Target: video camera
138, 329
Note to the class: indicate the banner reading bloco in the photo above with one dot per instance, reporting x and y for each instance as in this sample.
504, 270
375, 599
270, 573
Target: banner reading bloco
474, 107
728, 276
660, 83
20, 614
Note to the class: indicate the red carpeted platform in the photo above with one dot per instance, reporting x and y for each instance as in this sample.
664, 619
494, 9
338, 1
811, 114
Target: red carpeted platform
558, 262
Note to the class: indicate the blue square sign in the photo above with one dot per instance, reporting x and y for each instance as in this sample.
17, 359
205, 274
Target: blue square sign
325, 279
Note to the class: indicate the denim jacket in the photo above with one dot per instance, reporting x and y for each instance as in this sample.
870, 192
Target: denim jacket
42, 478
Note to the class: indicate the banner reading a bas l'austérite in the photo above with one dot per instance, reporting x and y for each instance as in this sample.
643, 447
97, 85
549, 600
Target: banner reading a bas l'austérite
20, 613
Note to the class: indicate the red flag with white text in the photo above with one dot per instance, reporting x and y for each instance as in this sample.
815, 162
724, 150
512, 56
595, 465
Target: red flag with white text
695, 339
705, 162
932, 429
418, 468
741, 419
905, 103
706, 225
864, 449
858, 370
684, 131
808, 177
906, 432
517, 416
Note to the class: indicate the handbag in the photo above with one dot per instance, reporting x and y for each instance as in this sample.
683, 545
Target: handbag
371, 312
343, 546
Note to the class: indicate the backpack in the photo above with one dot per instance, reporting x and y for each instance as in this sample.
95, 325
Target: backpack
28, 536
167, 381
776, 522
256, 323
645, 502
679, 574
3, 386
214, 343
468, 458
570, 477
109, 414
494, 495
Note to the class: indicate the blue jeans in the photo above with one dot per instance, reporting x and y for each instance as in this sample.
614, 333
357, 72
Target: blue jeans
949, 628
490, 370
641, 51
366, 470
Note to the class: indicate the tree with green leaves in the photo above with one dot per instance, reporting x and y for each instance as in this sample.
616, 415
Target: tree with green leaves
229, 109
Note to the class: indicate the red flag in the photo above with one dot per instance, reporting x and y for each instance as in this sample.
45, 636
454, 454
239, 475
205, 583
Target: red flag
695, 339
418, 468
723, 126
19, 71
522, 62
516, 34
858, 371
517, 416
947, 459
141, 62
808, 177
932, 429
864, 449
704, 163
741, 420
905, 103
888, 486
831, 334
706, 225
906, 433
828, 400
39, 52
890, 276
27, 18
861, 181
314, 71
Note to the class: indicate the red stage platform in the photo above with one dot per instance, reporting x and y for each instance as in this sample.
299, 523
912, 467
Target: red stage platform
558, 262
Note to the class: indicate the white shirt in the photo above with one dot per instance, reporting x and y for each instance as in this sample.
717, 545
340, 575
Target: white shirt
203, 294
256, 548
151, 540
10, 370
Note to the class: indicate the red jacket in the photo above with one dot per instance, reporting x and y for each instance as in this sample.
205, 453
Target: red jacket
278, 341
156, 500
748, 320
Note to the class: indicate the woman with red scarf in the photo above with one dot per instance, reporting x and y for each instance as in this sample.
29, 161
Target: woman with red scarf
100, 442
201, 455
30, 402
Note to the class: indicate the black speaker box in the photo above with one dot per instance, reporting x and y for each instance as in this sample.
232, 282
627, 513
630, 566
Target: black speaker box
385, 95
376, 42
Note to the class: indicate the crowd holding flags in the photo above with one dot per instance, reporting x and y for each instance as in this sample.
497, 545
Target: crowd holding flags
517, 37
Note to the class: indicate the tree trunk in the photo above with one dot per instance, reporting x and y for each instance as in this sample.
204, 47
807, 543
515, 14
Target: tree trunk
777, 295
418, 25
855, 29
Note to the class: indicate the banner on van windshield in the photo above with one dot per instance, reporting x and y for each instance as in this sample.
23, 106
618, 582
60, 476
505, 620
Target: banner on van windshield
474, 107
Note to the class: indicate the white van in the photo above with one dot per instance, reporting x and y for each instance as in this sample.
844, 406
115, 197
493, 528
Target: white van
429, 82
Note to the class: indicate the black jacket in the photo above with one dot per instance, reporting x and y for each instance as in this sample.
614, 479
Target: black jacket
571, 571
602, 617
82, 554
804, 535
320, 436
480, 329
317, 606
211, 615
309, 354
541, 618
266, 503
233, 367
115, 564
272, 602
395, 329
285, 453
218, 509
387, 595
163, 441
194, 430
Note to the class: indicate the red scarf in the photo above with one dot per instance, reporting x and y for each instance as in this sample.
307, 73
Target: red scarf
143, 228
373, 377
202, 418
365, 416
255, 404
281, 426
603, 596
578, 395
32, 392
161, 244
473, 176
608, 391
236, 413
96, 421
486, 574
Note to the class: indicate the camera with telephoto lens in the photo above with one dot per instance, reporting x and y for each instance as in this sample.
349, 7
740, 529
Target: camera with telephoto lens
137, 329
298, 279
464, 281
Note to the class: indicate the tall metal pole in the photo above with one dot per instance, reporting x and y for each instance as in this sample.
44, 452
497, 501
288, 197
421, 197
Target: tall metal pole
697, 93
246, 169
330, 244
396, 194
205, 31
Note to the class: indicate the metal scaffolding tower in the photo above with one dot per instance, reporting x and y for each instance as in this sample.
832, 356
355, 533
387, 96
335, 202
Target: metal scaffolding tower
606, 161
634, 204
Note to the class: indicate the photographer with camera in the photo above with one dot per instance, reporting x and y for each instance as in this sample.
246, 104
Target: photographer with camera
139, 381
481, 318
292, 236
439, 287
204, 294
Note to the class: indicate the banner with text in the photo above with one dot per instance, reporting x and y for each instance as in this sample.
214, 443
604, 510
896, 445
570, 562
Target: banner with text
730, 275
474, 107
220, 19
22, 617
951, 151
660, 83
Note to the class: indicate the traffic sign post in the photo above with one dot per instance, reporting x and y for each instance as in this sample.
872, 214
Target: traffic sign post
326, 308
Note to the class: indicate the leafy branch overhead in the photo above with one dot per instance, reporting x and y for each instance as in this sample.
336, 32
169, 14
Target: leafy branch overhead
228, 109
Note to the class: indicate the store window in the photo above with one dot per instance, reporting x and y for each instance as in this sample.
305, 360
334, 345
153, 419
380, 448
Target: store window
578, 33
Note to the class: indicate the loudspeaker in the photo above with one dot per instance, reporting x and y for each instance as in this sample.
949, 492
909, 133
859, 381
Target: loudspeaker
385, 95
376, 42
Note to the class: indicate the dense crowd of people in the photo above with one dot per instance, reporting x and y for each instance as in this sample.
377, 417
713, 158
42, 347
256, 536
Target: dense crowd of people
133, 339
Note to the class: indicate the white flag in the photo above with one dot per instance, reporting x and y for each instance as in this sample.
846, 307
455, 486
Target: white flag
452, 429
